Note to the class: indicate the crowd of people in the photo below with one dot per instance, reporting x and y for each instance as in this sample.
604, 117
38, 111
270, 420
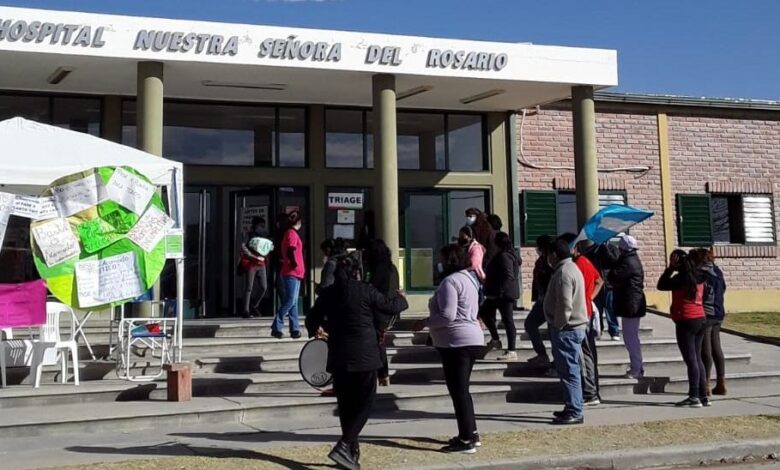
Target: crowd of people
584, 292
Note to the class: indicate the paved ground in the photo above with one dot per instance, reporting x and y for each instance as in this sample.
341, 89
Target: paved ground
242, 440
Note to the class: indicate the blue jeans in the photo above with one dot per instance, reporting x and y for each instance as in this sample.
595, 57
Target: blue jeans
533, 321
613, 327
289, 306
567, 352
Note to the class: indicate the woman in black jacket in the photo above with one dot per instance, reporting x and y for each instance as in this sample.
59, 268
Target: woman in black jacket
382, 274
628, 286
501, 292
349, 311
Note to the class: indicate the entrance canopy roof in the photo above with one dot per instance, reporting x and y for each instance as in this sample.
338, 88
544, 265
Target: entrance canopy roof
57, 51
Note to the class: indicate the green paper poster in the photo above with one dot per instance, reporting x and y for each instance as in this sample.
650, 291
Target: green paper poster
102, 233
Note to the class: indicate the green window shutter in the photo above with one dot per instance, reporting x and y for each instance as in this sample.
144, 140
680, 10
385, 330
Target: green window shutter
694, 220
540, 215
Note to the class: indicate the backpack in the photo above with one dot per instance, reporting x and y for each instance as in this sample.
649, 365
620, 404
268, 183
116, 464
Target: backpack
480, 289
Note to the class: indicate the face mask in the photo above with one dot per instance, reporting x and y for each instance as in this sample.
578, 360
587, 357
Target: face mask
440, 267
470, 220
463, 241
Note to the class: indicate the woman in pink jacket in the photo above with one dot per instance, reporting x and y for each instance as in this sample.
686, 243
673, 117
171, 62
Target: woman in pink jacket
476, 252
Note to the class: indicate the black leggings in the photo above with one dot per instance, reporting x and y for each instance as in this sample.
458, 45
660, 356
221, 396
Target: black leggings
457, 364
690, 336
506, 309
711, 352
355, 392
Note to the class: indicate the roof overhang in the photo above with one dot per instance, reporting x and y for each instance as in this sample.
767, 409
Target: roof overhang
238, 62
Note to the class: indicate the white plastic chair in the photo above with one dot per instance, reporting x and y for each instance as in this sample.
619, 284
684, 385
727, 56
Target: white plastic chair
18, 350
50, 338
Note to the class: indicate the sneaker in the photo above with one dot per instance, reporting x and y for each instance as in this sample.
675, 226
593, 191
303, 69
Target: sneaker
559, 414
295, 334
277, 334
689, 402
593, 402
508, 356
706, 402
457, 446
540, 360
630, 375
476, 440
343, 456
615, 338
494, 344
568, 420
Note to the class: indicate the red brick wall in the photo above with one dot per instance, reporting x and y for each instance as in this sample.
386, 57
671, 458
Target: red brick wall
623, 140
704, 149
705, 145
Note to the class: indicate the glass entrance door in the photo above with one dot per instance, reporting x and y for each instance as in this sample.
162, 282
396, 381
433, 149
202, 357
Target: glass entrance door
199, 294
271, 205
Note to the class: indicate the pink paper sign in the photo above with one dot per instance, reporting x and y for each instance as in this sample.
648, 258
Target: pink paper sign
22, 304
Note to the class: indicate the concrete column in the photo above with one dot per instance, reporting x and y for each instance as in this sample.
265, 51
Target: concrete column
386, 161
585, 160
149, 107
111, 119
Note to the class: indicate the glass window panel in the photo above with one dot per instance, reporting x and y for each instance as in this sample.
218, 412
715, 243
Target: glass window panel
77, 114
292, 137
343, 138
466, 143
721, 226
35, 108
567, 213
421, 141
360, 220
424, 210
369, 139
459, 201
15, 256
219, 135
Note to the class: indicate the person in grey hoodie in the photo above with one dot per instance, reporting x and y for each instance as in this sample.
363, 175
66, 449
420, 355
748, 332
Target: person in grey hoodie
567, 318
456, 334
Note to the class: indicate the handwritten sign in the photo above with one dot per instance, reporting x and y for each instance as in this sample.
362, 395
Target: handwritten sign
79, 195
174, 244
36, 208
100, 282
56, 241
6, 207
150, 229
129, 190
97, 234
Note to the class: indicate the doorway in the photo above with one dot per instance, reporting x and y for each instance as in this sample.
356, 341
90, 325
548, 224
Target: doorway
431, 220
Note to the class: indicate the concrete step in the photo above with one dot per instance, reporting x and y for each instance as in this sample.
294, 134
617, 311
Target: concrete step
261, 406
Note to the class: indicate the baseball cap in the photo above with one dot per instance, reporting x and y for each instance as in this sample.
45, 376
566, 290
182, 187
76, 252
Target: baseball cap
628, 243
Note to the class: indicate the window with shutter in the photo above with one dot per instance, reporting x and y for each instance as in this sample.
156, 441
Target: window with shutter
759, 218
540, 215
567, 207
694, 221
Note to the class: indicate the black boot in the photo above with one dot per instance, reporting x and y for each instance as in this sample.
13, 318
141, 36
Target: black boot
355, 448
343, 456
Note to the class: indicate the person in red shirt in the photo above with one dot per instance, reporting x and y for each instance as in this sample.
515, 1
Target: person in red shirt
593, 285
685, 280
292, 273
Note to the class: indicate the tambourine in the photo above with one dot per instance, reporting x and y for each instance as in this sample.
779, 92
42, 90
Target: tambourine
313, 363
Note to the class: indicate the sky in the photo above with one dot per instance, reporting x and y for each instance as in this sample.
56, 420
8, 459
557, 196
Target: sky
712, 48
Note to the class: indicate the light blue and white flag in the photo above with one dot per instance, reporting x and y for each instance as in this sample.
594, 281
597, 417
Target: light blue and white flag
610, 221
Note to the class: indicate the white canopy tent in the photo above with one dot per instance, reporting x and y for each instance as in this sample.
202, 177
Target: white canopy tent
33, 155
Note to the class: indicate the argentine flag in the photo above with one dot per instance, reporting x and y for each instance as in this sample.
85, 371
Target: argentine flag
610, 221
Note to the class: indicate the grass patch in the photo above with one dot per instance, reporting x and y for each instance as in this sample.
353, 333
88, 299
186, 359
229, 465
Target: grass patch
763, 325
418, 452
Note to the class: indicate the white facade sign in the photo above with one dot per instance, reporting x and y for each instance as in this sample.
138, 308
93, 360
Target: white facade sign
137, 38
